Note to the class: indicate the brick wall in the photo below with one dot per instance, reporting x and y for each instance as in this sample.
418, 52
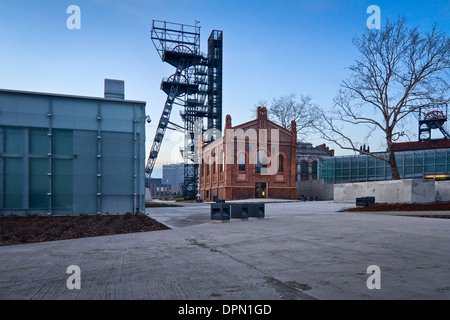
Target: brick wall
231, 183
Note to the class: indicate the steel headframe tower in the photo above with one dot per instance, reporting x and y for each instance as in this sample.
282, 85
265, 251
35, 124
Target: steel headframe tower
215, 61
196, 85
432, 118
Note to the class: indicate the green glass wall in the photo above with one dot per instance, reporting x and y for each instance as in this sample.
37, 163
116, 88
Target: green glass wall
71, 155
411, 164
25, 175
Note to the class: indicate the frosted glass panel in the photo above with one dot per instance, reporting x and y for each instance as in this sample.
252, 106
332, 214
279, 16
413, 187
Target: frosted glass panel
39, 142
38, 183
63, 143
13, 140
13, 183
62, 186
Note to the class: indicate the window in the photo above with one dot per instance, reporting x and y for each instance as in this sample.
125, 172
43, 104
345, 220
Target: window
314, 170
261, 160
213, 155
207, 167
304, 170
222, 157
241, 162
280, 163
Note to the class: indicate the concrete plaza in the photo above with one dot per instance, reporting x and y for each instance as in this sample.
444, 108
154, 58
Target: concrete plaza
301, 250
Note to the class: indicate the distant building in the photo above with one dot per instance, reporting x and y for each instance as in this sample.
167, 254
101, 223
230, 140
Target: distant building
422, 145
242, 174
173, 173
173, 178
308, 158
158, 189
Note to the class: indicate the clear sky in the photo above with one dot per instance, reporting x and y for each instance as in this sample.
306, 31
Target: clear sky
271, 48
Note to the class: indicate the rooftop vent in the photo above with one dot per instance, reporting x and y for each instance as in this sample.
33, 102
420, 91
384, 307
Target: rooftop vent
114, 89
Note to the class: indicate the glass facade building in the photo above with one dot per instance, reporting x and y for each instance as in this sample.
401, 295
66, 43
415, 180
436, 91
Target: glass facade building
418, 164
64, 154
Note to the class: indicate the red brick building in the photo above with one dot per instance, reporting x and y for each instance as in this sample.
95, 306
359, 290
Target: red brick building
423, 145
256, 159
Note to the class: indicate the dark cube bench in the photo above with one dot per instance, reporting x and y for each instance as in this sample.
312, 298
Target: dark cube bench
365, 201
221, 211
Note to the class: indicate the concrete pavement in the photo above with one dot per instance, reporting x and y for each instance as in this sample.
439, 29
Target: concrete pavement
301, 250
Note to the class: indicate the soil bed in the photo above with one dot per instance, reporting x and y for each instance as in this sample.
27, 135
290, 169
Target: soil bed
407, 207
434, 206
16, 229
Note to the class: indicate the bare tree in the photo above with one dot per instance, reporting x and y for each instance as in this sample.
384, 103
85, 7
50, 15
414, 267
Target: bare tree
302, 110
400, 70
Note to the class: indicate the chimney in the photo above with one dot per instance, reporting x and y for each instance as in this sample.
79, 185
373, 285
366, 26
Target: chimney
114, 89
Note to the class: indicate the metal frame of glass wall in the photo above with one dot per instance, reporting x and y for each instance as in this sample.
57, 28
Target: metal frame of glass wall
411, 164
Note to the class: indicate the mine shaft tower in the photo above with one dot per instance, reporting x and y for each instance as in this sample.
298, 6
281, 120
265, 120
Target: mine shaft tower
196, 86
432, 118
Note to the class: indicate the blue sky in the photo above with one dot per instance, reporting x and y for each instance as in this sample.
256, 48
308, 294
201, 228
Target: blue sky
271, 48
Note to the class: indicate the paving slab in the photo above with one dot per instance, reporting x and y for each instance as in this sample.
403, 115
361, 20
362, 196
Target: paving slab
301, 250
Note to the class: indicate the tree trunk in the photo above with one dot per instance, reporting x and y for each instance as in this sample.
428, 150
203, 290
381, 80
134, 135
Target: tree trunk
392, 160
393, 163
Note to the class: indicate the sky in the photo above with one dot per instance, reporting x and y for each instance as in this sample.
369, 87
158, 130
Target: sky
271, 48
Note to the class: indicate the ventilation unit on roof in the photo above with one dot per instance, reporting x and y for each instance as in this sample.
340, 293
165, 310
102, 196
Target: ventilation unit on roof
114, 89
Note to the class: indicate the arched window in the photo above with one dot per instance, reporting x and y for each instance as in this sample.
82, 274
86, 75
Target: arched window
241, 162
202, 168
261, 160
222, 158
280, 163
304, 170
213, 156
314, 170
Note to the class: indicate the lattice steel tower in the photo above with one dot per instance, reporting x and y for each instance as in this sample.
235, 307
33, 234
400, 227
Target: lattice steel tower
431, 118
196, 86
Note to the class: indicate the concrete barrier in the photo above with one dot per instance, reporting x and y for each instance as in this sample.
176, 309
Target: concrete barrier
314, 189
220, 212
257, 210
365, 202
240, 211
389, 191
443, 190
224, 212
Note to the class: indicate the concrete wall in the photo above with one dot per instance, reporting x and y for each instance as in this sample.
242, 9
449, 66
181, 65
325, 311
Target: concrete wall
390, 191
315, 188
443, 190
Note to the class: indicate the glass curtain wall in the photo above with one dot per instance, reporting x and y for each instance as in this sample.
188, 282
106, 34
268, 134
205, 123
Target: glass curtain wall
412, 164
